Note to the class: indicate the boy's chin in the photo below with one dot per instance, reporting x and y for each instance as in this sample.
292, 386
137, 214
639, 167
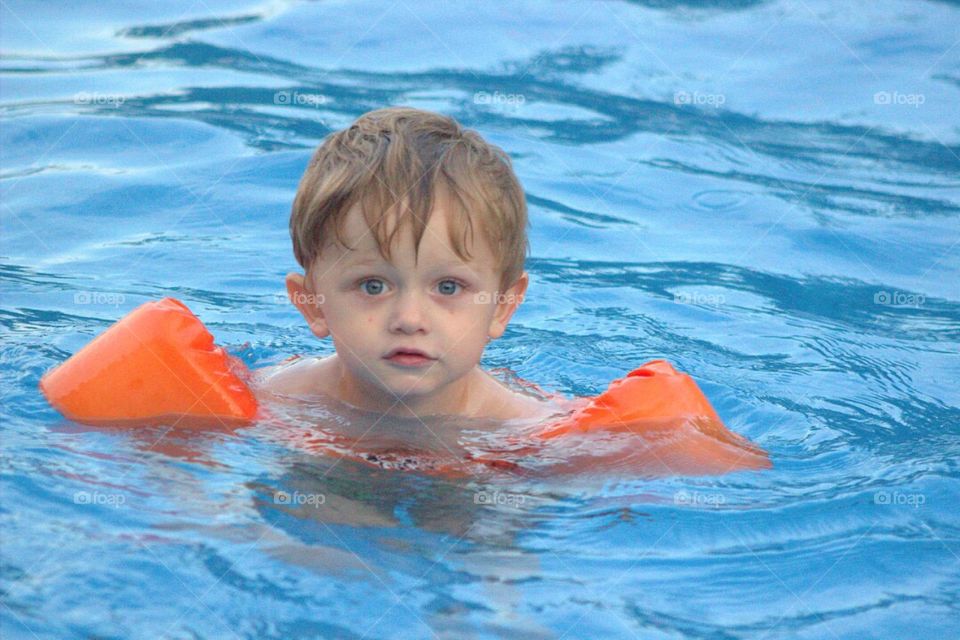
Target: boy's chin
412, 390
415, 389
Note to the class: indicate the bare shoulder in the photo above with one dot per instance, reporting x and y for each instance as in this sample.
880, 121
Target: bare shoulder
504, 403
528, 407
293, 377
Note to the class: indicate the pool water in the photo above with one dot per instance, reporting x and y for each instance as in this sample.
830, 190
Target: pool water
765, 193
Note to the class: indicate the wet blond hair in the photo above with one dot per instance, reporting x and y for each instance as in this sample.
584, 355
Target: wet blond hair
394, 162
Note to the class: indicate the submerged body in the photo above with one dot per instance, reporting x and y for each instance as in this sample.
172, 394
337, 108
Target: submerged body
654, 421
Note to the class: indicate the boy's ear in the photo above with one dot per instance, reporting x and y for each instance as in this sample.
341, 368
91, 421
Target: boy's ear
507, 303
308, 303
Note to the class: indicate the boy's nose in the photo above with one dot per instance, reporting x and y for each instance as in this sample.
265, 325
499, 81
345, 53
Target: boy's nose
407, 314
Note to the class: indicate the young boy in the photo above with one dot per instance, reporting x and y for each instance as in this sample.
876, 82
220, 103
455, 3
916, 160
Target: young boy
412, 234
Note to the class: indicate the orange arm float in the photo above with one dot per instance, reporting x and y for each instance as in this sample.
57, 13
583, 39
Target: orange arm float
157, 362
684, 432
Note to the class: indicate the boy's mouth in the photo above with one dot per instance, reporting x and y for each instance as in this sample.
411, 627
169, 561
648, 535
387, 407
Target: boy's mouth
408, 357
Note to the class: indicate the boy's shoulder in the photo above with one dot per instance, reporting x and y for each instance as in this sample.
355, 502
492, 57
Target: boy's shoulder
296, 375
503, 403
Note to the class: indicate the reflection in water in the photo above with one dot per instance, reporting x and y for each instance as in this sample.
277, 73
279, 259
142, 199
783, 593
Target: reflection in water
407, 531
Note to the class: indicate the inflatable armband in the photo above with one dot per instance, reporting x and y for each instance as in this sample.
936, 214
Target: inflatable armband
157, 362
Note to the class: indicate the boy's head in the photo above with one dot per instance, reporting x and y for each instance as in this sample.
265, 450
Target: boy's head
398, 161
412, 234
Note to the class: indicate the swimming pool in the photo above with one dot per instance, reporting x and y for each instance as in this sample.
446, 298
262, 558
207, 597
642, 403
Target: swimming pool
766, 193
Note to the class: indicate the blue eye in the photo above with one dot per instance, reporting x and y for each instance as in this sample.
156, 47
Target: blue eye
372, 286
448, 287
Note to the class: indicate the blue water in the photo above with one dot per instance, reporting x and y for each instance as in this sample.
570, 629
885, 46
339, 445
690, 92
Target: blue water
765, 193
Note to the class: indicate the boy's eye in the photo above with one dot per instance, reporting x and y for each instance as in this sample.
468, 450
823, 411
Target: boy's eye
372, 286
448, 287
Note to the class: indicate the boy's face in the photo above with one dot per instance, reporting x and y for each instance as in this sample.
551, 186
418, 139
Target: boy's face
437, 304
